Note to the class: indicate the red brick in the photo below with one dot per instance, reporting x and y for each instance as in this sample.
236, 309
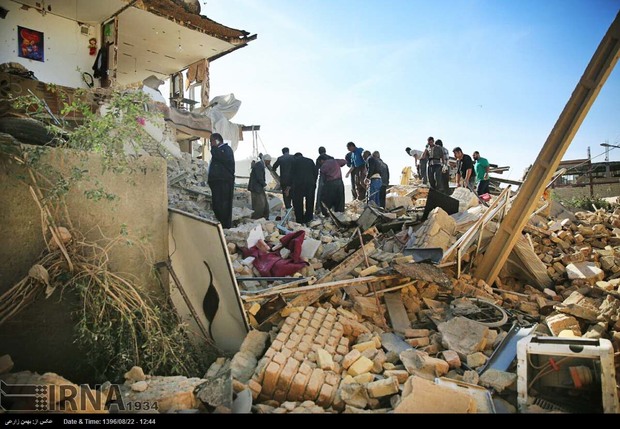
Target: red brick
315, 323
332, 341
279, 358
332, 378
305, 369
280, 395
287, 374
286, 328
324, 331
310, 330
342, 350
271, 378
304, 347
287, 353
337, 326
270, 352
298, 387
350, 358
298, 355
303, 322
255, 388
321, 339
307, 315
344, 341
325, 396
277, 345
314, 385
291, 345
330, 349
282, 337
321, 311
330, 318
299, 330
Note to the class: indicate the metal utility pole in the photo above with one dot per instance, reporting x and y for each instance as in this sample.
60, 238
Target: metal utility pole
606, 145
590, 84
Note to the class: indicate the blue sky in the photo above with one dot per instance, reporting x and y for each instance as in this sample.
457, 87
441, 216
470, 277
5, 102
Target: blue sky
486, 75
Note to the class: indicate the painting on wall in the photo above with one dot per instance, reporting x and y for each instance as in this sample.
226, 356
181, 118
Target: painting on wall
30, 44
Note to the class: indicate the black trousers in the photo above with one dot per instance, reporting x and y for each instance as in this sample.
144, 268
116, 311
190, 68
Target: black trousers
303, 202
222, 192
286, 194
260, 205
332, 195
382, 195
434, 177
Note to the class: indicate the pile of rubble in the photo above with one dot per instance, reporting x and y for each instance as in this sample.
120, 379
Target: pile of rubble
379, 332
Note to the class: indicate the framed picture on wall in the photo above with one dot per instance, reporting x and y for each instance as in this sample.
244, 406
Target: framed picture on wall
30, 44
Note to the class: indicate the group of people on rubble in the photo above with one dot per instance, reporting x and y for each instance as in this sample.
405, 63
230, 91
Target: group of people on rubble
369, 175
433, 167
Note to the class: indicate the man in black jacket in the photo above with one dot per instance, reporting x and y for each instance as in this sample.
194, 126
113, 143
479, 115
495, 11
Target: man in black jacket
323, 156
285, 163
304, 184
384, 170
373, 178
222, 179
256, 186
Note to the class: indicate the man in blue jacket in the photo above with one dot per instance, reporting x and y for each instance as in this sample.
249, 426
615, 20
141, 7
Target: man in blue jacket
357, 171
221, 179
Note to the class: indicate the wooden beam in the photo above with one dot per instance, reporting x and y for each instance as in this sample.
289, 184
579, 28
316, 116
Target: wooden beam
318, 287
548, 160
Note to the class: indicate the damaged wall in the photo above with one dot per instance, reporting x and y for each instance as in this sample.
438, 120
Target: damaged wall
142, 206
41, 338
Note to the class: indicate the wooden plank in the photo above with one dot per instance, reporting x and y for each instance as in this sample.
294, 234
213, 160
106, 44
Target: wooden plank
391, 289
343, 268
319, 287
396, 310
548, 160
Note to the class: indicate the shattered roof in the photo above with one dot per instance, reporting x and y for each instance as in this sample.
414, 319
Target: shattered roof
177, 13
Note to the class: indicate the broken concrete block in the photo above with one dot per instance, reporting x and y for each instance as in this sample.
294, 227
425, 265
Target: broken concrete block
381, 388
255, 343
462, 335
580, 306
324, 360
587, 271
476, 360
135, 374
559, 322
242, 366
170, 393
471, 377
360, 366
421, 364
363, 378
350, 358
498, 380
452, 358
354, 394
424, 396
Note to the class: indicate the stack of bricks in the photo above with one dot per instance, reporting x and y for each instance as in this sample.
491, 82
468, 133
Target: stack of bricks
291, 368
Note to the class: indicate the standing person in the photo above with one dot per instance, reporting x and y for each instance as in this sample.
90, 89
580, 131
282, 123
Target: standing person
385, 178
221, 179
465, 174
256, 186
332, 194
322, 156
285, 163
373, 178
445, 169
303, 186
481, 168
435, 164
357, 171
